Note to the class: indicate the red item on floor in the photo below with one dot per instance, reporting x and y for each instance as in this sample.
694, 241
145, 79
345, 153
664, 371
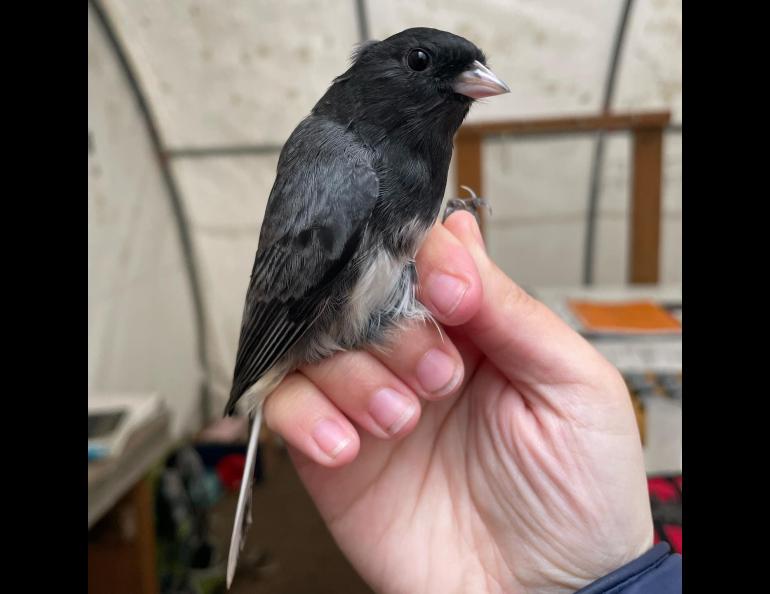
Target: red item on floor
666, 501
230, 470
662, 489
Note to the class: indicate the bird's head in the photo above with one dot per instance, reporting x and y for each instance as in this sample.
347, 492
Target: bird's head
418, 76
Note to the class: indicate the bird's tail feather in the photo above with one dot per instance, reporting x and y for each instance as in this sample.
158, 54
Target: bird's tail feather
243, 509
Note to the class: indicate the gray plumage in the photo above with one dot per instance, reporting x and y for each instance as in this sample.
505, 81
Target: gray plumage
359, 183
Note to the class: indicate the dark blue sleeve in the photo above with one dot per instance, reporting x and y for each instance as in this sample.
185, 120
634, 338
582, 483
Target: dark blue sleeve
658, 571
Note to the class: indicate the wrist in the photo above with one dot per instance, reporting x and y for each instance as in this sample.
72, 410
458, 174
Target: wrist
658, 570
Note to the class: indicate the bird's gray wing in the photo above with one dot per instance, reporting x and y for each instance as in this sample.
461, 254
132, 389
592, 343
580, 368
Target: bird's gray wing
325, 190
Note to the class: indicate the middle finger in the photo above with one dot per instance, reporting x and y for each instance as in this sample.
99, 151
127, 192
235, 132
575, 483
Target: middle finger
424, 357
367, 392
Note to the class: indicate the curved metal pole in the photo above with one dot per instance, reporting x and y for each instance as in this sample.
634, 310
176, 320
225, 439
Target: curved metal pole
598, 158
174, 196
363, 20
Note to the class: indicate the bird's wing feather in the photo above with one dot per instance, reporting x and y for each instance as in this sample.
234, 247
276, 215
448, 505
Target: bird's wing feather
325, 190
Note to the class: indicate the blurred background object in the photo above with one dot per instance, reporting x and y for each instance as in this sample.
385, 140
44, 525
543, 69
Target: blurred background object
189, 103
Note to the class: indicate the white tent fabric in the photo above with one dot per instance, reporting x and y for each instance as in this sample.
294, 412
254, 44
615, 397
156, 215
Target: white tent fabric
227, 82
237, 73
141, 324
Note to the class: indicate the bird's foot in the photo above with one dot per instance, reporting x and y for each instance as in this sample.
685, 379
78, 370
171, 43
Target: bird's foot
472, 205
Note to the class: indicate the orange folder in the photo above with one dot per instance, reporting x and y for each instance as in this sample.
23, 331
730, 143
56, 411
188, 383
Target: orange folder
644, 317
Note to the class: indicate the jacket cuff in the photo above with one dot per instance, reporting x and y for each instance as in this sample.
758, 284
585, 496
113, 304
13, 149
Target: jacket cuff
658, 571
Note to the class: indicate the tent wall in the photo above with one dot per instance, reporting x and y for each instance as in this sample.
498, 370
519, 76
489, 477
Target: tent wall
141, 322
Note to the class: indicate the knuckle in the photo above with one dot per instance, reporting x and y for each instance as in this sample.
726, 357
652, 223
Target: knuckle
516, 298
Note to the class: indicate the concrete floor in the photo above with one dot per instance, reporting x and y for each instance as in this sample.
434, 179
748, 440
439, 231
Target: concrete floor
288, 549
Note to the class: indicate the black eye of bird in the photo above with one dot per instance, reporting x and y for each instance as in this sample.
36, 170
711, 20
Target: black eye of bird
418, 59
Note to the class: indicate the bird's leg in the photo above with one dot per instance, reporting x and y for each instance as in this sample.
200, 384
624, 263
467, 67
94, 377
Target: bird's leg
472, 205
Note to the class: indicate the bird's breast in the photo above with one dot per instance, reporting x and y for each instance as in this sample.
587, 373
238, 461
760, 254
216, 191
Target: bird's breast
385, 290
377, 288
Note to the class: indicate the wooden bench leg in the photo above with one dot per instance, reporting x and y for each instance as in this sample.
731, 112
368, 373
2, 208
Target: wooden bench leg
645, 207
468, 154
121, 546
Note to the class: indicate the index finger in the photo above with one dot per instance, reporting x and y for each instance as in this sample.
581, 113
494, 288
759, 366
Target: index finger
449, 283
526, 340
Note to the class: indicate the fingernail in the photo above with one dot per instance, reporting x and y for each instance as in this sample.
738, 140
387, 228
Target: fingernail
437, 372
330, 437
446, 292
391, 410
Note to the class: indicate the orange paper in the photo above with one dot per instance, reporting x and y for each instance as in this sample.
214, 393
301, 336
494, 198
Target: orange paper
627, 316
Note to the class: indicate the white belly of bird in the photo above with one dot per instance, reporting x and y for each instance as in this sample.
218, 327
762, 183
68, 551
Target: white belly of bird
379, 289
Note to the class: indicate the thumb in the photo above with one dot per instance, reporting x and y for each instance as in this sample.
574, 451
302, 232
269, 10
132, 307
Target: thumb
525, 340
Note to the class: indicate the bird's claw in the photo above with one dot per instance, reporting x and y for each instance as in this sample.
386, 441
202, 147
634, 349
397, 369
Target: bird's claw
472, 205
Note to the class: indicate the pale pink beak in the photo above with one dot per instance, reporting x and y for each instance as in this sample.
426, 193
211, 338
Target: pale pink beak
478, 82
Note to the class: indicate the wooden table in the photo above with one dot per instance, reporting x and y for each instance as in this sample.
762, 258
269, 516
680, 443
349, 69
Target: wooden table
121, 526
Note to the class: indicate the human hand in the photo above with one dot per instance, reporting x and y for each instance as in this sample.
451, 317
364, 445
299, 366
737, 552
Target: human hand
525, 472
